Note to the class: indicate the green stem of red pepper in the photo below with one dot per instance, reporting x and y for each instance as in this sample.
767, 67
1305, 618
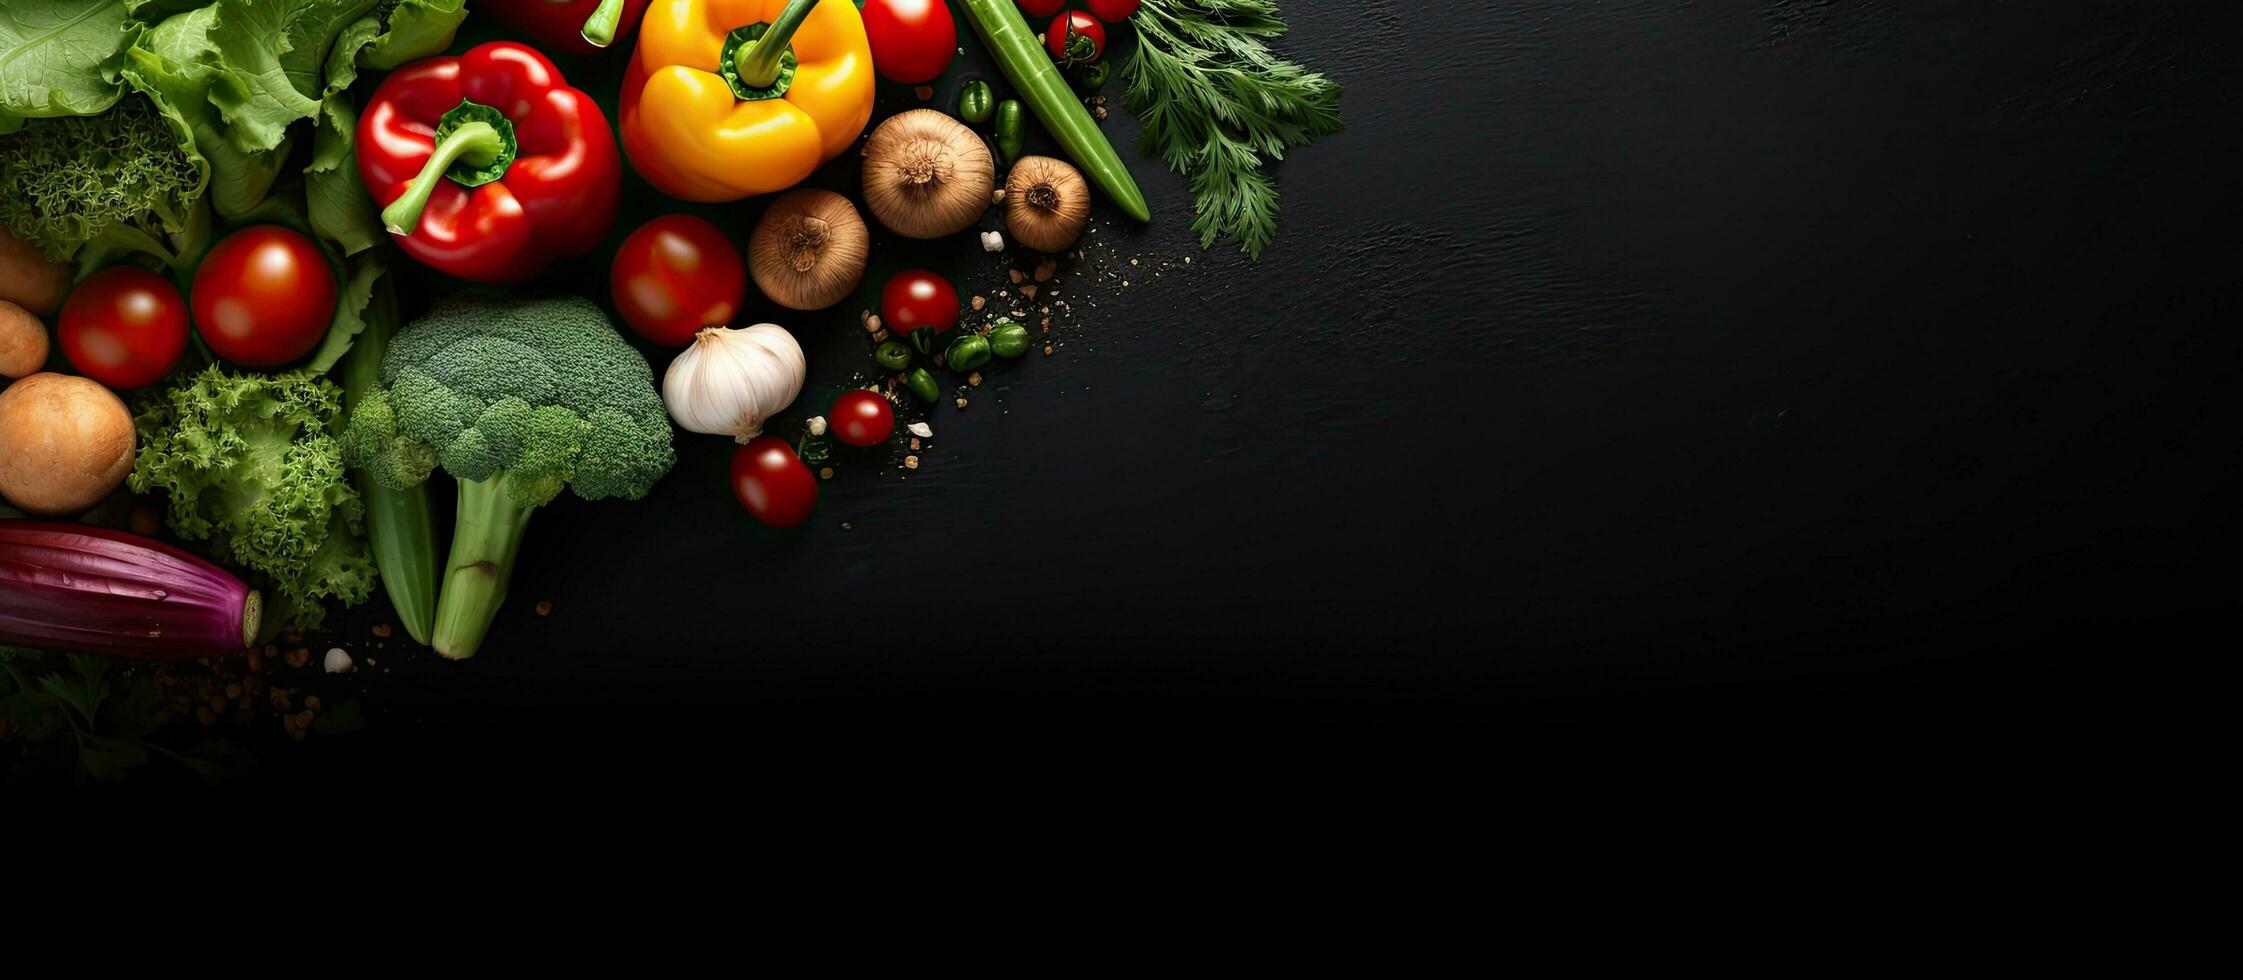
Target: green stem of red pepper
758, 63
599, 29
476, 143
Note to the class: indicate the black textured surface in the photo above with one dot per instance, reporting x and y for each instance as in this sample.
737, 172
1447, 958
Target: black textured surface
1841, 363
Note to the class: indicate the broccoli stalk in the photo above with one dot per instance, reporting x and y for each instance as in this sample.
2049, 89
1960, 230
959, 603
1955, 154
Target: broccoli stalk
486, 535
517, 401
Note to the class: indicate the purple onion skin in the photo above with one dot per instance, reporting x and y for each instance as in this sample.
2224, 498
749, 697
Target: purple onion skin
83, 589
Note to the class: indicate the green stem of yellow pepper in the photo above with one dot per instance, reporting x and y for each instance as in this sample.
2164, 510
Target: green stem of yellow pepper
599, 29
758, 63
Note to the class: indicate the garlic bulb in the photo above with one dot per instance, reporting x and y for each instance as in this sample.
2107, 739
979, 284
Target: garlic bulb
730, 380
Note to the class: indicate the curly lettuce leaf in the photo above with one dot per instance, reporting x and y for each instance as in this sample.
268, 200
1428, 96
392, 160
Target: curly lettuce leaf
60, 58
125, 180
252, 463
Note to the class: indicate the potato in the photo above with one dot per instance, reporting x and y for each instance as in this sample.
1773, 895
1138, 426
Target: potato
23, 341
65, 443
28, 278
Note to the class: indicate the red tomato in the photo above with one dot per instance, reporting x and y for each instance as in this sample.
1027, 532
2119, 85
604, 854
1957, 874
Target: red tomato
918, 298
124, 327
1075, 38
772, 484
263, 297
861, 418
1112, 11
675, 275
912, 40
1042, 8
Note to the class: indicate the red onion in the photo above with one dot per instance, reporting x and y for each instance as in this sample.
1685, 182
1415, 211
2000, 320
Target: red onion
83, 589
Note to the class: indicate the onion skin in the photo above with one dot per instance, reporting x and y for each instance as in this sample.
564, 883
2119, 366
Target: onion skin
82, 589
1047, 203
809, 250
926, 175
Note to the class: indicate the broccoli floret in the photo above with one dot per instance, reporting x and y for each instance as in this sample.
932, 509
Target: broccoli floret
516, 400
252, 462
129, 175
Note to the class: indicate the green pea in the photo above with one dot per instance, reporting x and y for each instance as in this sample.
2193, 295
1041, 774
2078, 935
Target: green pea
1008, 339
1011, 130
967, 353
893, 355
974, 102
923, 385
1092, 77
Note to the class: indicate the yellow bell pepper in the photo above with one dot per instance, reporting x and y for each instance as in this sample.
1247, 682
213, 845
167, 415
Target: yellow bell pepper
714, 110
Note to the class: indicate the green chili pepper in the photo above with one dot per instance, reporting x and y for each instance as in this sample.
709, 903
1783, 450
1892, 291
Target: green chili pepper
923, 385
967, 353
1008, 339
1091, 77
974, 102
924, 339
893, 355
1010, 130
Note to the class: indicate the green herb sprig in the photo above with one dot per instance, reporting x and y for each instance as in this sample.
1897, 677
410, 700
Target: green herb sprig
1218, 106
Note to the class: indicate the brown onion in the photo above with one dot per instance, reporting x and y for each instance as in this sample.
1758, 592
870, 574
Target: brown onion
1046, 204
926, 175
809, 250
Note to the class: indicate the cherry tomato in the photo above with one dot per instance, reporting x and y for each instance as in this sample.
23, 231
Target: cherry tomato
1041, 8
263, 297
1075, 38
912, 40
124, 327
861, 418
772, 484
1112, 11
918, 298
675, 275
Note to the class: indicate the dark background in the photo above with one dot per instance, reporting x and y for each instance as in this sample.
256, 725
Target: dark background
1642, 368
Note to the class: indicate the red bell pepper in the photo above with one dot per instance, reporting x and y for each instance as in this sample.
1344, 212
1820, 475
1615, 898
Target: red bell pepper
568, 26
488, 165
